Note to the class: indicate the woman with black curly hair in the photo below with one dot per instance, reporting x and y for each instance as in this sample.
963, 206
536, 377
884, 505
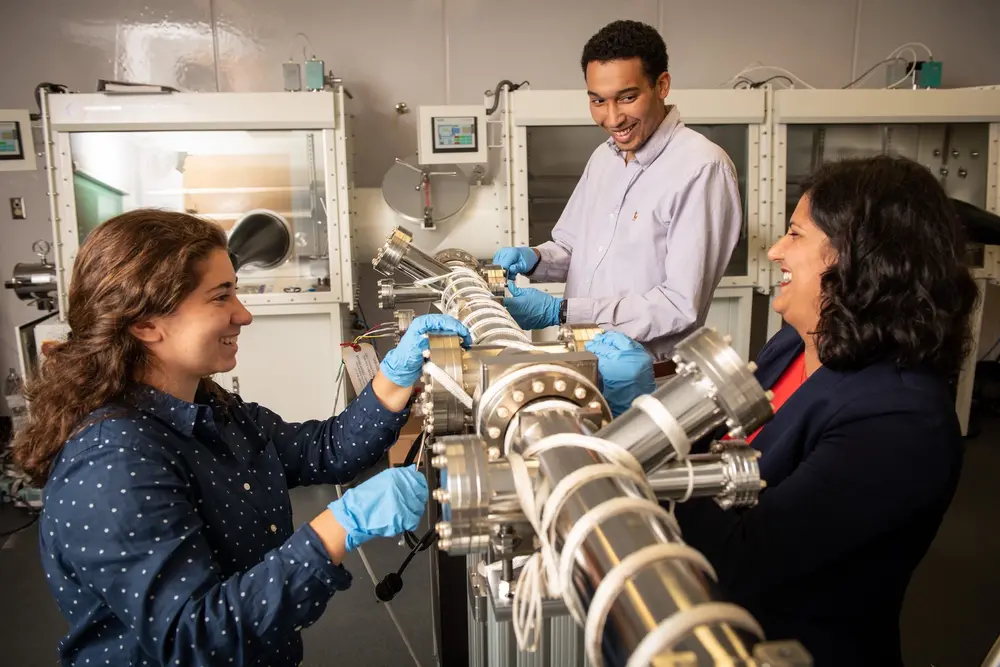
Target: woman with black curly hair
864, 451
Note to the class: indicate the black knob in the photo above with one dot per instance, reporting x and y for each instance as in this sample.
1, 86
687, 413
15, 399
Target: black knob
386, 589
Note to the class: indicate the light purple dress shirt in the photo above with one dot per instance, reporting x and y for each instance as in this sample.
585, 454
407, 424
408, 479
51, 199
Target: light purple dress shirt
643, 246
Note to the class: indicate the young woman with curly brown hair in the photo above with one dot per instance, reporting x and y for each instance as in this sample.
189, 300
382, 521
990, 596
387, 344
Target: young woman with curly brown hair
167, 534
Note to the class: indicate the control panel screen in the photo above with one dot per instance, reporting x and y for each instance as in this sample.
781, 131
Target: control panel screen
10, 141
455, 134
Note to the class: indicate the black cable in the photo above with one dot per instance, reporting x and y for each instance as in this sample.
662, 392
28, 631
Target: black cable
411, 539
772, 78
873, 67
743, 82
427, 540
102, 85
496, 93
392, 583
411, 455
52, 88
989, 351
34, 518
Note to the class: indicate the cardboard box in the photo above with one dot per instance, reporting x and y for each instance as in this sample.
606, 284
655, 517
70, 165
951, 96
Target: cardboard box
411, 429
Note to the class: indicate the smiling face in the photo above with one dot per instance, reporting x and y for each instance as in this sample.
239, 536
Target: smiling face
199, 338
804, 254
624, 102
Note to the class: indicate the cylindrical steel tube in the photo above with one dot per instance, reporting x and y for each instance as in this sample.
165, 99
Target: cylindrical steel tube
399, 254
418, 266
712, 388
464, 295
32, 280
671, 481
728, 477
731, 477
390, 294
687, 403
656, 592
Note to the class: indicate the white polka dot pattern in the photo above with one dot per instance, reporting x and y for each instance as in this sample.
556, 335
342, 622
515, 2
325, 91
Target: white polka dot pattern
167, 528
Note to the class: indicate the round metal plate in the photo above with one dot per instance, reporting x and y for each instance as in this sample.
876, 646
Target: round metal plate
738, 391
457, 257
403, 192
501, 401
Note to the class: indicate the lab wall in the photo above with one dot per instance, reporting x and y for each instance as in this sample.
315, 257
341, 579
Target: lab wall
437, 52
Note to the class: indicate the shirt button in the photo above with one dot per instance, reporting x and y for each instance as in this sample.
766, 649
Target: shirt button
246, 486
600, 248
274, 528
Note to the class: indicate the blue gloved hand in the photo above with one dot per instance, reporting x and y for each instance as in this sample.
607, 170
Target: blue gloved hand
404, 363
385, 505
532, 308
625, 369
516, 260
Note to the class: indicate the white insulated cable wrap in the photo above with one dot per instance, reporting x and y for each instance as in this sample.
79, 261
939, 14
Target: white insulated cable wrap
550, 572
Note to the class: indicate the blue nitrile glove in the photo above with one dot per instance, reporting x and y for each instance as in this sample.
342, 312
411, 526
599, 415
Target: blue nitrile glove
625, 369
404, 363
516, 260
385, 505
532, 308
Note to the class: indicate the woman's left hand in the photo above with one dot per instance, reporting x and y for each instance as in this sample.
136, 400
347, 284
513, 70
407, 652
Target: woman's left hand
404, 363
626, 369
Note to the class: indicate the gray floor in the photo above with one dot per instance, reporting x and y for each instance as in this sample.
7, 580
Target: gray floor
951, 616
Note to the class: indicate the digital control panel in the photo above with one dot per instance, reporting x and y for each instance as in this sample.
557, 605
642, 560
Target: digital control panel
17, 148
11, 147
453, 134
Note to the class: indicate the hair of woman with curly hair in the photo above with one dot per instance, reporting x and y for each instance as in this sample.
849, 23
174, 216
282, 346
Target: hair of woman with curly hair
899, 288
138, 265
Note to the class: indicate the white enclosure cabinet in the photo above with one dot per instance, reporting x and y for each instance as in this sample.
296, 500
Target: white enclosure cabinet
288, 360
273, 170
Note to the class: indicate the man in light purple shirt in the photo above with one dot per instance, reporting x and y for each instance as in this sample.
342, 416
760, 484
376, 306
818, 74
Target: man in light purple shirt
650, 228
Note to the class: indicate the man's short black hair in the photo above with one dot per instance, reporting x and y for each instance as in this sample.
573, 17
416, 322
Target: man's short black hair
624, 40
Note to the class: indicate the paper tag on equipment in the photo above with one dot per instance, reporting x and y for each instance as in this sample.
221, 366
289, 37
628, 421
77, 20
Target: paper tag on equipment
362, 364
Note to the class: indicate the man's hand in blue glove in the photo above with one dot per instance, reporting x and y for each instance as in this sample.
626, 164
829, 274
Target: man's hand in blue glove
385, 505
516, 260
625, 368
404, 363
532, 308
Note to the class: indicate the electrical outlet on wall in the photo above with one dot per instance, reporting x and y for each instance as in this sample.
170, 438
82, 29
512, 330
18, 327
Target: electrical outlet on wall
17, 208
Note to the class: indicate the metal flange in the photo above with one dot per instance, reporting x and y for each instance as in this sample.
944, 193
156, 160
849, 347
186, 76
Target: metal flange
575, 337
386, 294
464, 494
387, 259
443, 413
457, 257
502, 400
734, 387
496, 279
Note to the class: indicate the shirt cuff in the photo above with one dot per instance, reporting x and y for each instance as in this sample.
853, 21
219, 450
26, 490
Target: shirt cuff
580, 310
306, 547
551, 266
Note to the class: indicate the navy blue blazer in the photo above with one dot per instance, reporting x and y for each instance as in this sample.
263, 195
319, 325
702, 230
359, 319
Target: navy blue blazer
860, 468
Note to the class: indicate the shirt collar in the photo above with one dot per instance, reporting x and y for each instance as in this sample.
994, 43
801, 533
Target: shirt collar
179, 414
657, 141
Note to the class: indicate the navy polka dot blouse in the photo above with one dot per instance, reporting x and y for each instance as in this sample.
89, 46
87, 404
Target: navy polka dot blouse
167, 534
